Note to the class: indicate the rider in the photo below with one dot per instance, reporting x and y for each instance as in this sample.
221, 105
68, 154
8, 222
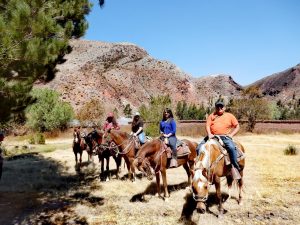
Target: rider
168, 130
137, 128
226, 125
110, 122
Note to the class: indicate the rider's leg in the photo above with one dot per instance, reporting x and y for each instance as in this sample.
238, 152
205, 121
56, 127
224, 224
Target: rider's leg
230, 147
172, 143
142, 138
198, 149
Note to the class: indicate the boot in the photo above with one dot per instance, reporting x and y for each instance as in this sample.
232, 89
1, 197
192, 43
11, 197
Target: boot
235, 173
173, 163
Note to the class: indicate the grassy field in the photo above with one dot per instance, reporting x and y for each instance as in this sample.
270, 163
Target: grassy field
43, 187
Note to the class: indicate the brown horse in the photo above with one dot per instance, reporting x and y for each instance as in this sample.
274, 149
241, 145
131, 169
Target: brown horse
104, 152
154, 156
209, 170
127, 147
78, 146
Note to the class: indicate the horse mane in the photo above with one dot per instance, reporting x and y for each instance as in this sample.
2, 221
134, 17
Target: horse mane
122, 134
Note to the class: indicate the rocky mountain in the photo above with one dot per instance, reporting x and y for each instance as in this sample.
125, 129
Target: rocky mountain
123, 73
281, 86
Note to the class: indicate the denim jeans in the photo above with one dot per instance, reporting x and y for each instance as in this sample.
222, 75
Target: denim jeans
230, 147
141, 137
198, 149
172, 143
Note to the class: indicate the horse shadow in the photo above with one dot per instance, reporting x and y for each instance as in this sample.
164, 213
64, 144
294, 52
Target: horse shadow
152, 190
190, 206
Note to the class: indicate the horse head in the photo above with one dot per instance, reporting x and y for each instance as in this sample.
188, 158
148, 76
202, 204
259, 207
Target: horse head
76, 136
200, 188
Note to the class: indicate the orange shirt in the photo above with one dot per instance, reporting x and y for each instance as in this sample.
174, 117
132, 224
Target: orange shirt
223, 124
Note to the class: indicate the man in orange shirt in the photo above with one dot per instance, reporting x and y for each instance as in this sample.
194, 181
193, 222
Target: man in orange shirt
225, 125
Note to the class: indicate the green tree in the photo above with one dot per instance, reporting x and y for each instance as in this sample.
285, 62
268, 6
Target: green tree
128, 111
48, 112
154, 113
34, 38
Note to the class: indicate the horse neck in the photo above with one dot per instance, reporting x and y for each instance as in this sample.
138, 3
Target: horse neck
149, 149
117, 138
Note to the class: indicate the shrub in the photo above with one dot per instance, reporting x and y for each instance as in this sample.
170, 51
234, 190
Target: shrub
31, 140
290, 150
48, 112
40, 139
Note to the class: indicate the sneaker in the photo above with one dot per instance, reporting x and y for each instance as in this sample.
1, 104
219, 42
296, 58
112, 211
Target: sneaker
173, 163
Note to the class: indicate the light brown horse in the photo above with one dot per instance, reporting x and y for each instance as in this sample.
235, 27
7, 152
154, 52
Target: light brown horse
78, 146
126, 145
209, 170
153, 158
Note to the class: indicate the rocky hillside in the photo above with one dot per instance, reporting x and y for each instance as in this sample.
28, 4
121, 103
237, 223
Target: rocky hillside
281, 86
123, 73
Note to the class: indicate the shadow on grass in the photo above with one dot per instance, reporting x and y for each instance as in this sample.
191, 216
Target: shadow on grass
152, 190
190, 206
35, 189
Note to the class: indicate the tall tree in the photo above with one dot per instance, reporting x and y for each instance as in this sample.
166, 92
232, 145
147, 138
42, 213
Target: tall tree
34, 36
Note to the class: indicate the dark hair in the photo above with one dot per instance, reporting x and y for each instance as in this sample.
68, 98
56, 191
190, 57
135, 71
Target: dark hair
135, 120
167, 110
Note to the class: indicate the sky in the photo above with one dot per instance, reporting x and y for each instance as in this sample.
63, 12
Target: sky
246, 39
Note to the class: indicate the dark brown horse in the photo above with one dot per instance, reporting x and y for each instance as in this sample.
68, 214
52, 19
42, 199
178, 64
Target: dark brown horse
78, 146
104, 151
127, 149
153, 158
209, 170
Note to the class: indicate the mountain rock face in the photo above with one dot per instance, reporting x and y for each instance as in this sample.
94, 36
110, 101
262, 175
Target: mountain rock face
281, 86
118, 74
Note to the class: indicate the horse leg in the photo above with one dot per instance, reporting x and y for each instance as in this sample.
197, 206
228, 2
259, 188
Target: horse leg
118, 160
157, 176
80, 158
165, 184
128, 167
219, 195
229, 184
187, 170
107, 169
132, 169
240, 184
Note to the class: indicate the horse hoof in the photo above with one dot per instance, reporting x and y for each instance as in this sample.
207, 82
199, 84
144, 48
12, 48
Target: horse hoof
107, 179
240, 202
166, 199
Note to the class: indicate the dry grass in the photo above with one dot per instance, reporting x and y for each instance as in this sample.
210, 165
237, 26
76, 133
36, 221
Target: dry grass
54, 193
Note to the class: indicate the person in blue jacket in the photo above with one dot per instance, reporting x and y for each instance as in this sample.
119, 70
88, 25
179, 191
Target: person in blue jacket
168, 130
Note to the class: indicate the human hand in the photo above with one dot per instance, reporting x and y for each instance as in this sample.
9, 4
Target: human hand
210, 136
134, 134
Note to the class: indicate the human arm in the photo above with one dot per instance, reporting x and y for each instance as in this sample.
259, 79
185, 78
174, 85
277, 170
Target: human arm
234, 131
207, 127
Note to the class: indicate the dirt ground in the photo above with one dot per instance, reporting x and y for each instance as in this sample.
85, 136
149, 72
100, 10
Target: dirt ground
45, 188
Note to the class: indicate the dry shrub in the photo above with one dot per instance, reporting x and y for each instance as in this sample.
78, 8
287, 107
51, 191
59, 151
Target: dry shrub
290, 150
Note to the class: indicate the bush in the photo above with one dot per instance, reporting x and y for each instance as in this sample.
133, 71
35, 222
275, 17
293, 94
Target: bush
31, 140
290, 150
40, 139
48, 112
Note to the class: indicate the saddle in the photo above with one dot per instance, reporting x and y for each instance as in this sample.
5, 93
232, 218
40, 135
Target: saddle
181, 147
240, 155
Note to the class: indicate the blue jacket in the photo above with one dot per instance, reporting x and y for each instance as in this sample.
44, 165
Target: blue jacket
168, 126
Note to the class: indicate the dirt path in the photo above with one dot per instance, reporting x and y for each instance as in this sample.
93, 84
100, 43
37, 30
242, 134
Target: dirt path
46, 189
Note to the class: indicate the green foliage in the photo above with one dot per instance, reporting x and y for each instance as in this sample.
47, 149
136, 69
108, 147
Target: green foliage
191, 112
128, 111
40, 139
31, 140
92, 111
34, 37
48, 112
250, 107
154, 113
290, 150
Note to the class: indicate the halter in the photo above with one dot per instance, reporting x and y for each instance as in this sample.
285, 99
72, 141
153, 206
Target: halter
210, 173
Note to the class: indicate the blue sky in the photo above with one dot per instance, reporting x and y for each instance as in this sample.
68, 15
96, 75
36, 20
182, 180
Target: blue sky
247, 39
